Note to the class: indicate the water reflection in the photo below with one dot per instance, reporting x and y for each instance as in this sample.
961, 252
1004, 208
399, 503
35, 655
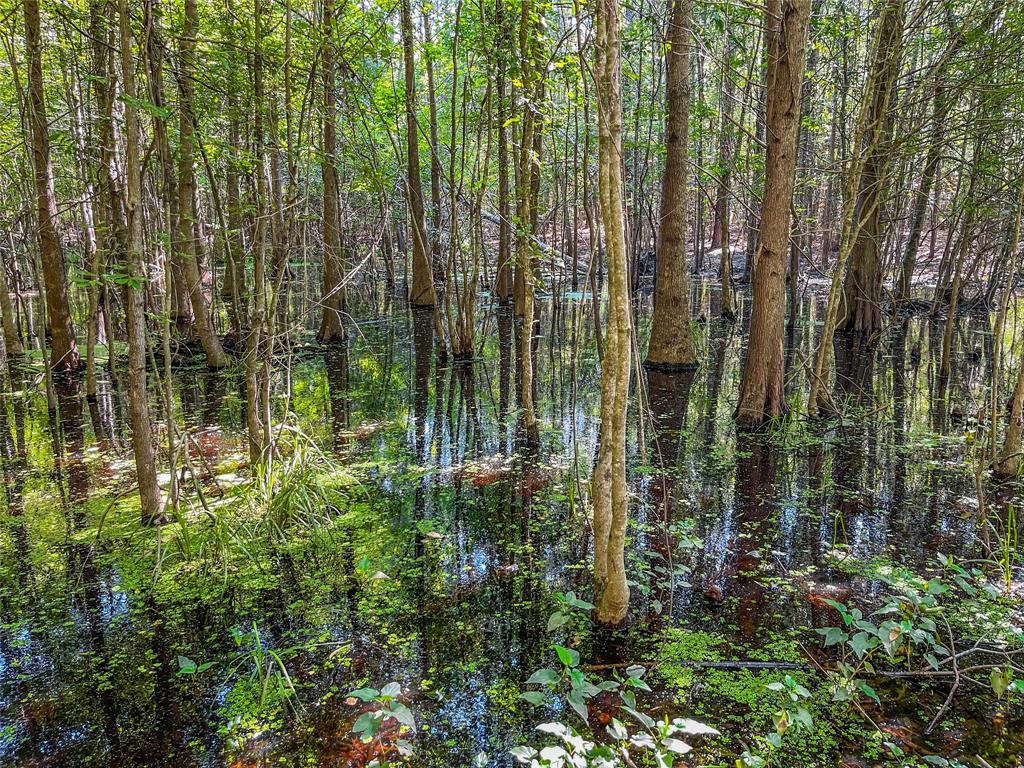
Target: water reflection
448, 575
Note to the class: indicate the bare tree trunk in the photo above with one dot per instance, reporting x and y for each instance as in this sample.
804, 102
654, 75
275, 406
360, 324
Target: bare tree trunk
232, 290
258, 343
503, 279
64, 358
187, 213
12, 338
134, 290
333, 301
610, 496
861, 310
671, 344
437, 265
762, 394
524, 276
1008, 462
421, 292
726, 151
867, 135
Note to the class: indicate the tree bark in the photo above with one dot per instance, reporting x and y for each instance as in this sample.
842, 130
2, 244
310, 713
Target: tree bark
610, 496
421, 292
64, 358
671, 343
503, 278
134, 291
762, 394
861, 309
187, 241
12, 338
333, 301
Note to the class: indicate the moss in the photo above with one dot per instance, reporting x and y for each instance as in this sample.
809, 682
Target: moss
740, 704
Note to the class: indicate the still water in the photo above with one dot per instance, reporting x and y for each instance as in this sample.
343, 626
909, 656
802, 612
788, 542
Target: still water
436, 560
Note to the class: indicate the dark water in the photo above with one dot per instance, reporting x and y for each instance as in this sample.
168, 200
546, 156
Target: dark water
436, 564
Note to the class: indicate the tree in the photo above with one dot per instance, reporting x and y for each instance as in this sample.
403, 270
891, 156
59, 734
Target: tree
421, 292
762, 395
64, 357
333, 300
526, 164
503, 278
608, 483
671, 344
861, 310
187, 240
868, 133
134, 289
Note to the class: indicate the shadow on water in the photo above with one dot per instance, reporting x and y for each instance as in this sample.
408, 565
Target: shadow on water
439, 565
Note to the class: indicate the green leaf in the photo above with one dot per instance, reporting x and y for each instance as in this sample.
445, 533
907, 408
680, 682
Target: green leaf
534, 697
557, 620
146, 106
1001, 681
365, 694
833, 636
367, 725
403, 714
543, 677
868, 691
862, 642
567, 656
575, 700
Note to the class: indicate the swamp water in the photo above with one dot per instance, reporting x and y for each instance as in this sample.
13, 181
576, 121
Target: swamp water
408, 539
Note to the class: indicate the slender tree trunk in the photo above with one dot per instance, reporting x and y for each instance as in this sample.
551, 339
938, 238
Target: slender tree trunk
940, 109
503, 279
1008, 461
12, 338
187, 242
174, 281
610, 496
864, 147
64, 358
421, 292
671, 343
762, 394
726, 151
134, 290
232, 289
861, 310
437, 265
333, 301
524, 277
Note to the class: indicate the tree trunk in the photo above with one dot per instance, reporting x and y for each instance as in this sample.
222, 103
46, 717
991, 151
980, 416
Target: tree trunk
861, 310
762, 394
12, 338
726, 152
64, 358
437, 265
524, 276
187, 241
671, 343
232, 290
610, 496
333, 301
503, 278
421, 292
134, 291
